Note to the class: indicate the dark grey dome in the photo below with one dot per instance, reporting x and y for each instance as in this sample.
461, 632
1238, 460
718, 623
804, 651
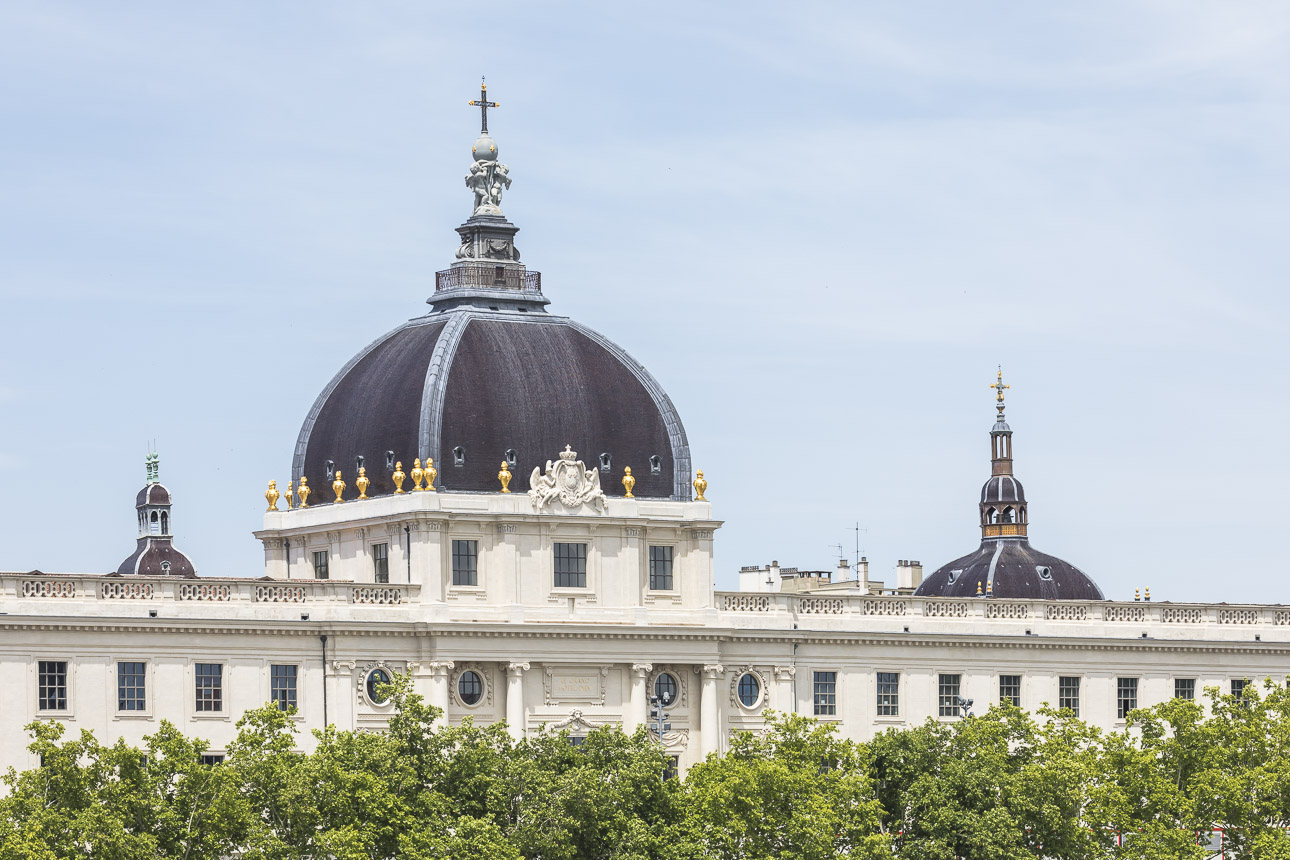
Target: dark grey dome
1011, 568
477, 383
156, 556
152, 494
1002, 488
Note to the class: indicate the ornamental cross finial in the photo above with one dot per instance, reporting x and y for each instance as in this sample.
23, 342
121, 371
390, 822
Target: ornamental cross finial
998, 387
483, 104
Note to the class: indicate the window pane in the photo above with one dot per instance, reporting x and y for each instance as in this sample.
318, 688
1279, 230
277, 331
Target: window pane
1126, 696
947, 695
660, 568
470, 687
666, 688
749, 690
1010, 689
571, 565
381, 561
282, 685
825, 691
465, 560
320, 564
888, 694
1238, 686
1068, 694
209, 686
52, 685
130, 692
1184, 688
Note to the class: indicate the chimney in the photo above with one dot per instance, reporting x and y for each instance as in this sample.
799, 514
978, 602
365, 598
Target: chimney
909, 574
843, 573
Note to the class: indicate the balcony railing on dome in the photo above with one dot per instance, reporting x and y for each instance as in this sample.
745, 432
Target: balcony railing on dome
1005, 529
495, 277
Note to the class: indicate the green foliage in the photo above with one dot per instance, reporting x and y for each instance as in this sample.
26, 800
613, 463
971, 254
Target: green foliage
1000, 786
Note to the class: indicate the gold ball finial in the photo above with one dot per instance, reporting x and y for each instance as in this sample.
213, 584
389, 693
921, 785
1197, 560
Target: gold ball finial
700, 487
398, 477
1148, 594
978, 588
304, 492
362, 483
629, 483
338, 487
289, 496
505, 477
272, 495
431, 474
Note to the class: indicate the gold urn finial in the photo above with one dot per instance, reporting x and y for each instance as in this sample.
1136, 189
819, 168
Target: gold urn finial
362, 483
1148, 594
271, 495
304, 492
505, 477
417, 475
1137, 594
398, 477
978, 588
289, 496
338, 487
700, 487
431, 474
989, 589
628, 481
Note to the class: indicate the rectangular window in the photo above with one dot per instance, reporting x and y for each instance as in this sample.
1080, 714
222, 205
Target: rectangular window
672, 768
381, 561
131, 692
825, 690
209, 687
888, 694
1126, 696
320, 564
212, 758
282, 685
660, 568
1238, 686
1185, 688
571, 565
465, 562
947, 695
1010, 689
52, 681
1068, 694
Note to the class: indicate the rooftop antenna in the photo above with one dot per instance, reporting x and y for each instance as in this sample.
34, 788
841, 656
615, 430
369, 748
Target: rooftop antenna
841, 552
858, 530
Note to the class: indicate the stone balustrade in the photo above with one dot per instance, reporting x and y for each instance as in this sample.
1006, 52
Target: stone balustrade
43, 586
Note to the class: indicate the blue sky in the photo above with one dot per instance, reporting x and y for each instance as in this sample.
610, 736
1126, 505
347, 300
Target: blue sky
821, 226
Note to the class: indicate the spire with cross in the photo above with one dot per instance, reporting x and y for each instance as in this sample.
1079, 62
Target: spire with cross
998, 387
483, 104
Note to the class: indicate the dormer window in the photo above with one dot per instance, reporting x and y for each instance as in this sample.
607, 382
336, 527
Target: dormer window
331, 469
954, 576
165, 567
389, 461
512, 458
459, 456
655, 464
358, 463
1045, 572
606, 462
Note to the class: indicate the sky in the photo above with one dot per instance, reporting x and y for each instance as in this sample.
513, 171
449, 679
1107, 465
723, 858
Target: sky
821, 226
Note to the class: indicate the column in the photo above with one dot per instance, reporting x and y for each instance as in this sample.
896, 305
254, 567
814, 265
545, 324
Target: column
709, 729
440, 672
515, 698
785, 701
638, 703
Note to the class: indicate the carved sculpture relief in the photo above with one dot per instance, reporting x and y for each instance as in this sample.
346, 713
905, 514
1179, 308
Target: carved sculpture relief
488, 179
567, 480
575, 684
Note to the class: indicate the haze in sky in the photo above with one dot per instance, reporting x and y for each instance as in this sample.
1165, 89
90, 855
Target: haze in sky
821, 226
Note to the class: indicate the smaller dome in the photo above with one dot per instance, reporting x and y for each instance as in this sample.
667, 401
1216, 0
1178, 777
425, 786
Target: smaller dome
1010, 568
1002, 488
156, 556
152, 494
485, 149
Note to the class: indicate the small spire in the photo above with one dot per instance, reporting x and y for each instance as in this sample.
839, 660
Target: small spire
999, 387
483, 104
153, 464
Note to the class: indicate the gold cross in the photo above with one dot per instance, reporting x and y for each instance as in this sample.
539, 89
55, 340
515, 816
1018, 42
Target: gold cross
999, 386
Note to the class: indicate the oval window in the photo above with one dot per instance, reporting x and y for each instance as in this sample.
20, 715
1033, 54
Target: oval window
470, 687
749, 690
376, 679
665, 687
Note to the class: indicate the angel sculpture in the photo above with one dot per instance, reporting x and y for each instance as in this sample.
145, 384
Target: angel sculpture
488, 179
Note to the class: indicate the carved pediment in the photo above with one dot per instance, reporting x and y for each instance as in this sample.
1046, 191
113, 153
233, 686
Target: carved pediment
568, 481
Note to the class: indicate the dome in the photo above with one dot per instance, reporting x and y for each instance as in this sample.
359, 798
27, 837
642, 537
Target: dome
156, 557
1011, 568
153, 494
154, 552
1002, 488
470, 386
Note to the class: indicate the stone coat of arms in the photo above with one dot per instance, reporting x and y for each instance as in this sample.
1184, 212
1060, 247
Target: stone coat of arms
567, 479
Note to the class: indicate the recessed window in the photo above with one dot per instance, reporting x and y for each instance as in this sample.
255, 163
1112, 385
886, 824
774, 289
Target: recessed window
1126, 696
321, 570
51, 681
131, 692
465, 562
209, 684
570, 565
749, 690
359, 463
655, 464
1185, 688
212, 759
948, 688
470, 687
1068, 694
512, 458
1045, 572
389, 461
666, 688
1010, 689
165, 567
376, 680
282, 685
459, 456
381, 561
606, 462
672, 767
888, 694
660, 568
331, 469
577, 740
824, 689
1238, 686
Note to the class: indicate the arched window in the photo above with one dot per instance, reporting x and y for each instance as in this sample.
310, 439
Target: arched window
991, 515
154, 526
165, 523
1007, 515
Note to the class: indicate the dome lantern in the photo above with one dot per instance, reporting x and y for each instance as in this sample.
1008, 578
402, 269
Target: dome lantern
155, 554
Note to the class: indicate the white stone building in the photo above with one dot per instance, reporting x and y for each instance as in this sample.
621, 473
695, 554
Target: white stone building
570, 601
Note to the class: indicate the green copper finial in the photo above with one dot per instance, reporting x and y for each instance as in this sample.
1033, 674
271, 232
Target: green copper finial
152, 461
